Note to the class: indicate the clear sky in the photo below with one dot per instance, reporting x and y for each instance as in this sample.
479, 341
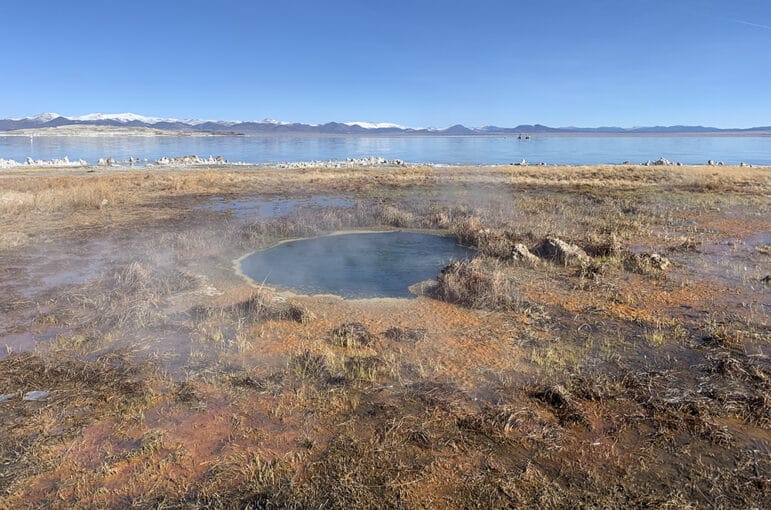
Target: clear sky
417, 62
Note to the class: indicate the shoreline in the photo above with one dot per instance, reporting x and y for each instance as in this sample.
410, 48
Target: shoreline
86, 131
7, 166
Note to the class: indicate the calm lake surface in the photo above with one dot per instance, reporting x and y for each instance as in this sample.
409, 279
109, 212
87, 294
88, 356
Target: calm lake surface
366, 265
572, 150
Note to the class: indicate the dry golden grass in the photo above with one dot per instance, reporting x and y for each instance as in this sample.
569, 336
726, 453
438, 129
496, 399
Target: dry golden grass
57, 191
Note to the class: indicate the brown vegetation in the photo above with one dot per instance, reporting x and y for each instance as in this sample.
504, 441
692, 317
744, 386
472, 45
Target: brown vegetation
569, 365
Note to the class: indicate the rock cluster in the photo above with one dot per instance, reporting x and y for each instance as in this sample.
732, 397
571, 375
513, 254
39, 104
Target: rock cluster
190, 160
56, 162
366, 162
662, 161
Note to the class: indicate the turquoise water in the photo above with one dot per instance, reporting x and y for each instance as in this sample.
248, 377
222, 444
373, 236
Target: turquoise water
483, 150
366, 265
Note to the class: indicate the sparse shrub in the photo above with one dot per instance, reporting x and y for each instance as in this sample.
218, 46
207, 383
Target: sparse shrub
478, 283
262, 306
306, 365
366, 368
497, 243
409, 336
467, 230
603, 246
351, 334
130, 296
393, 216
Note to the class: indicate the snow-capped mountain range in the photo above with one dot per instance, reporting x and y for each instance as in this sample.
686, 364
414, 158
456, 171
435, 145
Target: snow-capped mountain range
271, 126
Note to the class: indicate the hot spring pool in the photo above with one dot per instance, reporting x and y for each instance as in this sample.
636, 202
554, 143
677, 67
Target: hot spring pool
357, 265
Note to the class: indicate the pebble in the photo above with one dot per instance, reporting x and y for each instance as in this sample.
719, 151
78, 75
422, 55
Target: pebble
36, 395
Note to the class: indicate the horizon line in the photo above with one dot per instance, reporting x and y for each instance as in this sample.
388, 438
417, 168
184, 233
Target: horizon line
152, 119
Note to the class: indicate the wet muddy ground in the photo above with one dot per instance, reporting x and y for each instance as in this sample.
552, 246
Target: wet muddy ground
597, 378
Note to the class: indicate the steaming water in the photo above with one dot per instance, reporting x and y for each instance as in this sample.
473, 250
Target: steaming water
273, 207
382, 264
449, 150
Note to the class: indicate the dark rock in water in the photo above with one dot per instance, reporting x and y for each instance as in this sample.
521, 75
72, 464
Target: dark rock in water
409, 336
351, 334
36, 395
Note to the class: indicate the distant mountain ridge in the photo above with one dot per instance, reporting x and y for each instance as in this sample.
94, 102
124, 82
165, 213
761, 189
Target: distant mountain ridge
273, 127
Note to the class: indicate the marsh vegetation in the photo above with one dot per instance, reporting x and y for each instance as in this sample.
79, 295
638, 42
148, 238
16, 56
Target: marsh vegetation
607, 347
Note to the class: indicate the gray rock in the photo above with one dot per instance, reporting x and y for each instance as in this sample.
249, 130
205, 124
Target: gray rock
522, 253
7, 396
562, 252
36, 395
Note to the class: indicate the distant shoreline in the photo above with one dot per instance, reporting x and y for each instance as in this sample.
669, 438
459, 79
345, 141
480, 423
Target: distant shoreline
108, 132
118, 131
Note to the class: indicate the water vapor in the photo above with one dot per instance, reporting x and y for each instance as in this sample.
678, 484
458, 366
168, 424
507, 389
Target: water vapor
749, 23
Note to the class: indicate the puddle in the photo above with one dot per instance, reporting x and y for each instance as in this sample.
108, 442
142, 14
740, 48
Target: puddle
355, 265
26, 341
245, 209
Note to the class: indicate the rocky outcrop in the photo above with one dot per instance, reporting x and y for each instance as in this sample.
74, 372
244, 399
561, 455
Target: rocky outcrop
523, 254
190, 160
56, 162
557, 250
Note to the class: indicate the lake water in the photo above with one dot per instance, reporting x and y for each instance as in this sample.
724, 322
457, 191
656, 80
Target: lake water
573, 150
365, 265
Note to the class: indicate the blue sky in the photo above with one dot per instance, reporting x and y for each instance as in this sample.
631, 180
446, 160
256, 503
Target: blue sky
417, 62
